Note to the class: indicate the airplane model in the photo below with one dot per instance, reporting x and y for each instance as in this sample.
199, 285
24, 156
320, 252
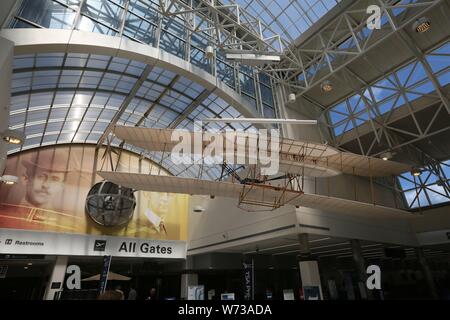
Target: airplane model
256, 192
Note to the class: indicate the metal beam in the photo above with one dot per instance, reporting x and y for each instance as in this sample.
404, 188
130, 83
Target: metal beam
148, 69
194, 104
313, 52
421, 57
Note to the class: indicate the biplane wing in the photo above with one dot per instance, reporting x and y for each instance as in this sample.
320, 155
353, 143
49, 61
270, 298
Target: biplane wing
346, 206
154, 139
171, 184
259, 193
343, 162
360, 165
295, 156
256, 194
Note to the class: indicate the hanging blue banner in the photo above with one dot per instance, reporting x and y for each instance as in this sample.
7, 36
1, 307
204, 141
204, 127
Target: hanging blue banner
248, 281
104, 274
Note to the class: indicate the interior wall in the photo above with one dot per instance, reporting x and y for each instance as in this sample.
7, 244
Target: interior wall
222, 221
5, 8
222, 225
299, 111
432, 219
433, 226
393, 229
6, 58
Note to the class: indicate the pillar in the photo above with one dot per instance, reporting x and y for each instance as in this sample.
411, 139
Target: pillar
427, 273
309, 268
188, 278
360, 265
56, 282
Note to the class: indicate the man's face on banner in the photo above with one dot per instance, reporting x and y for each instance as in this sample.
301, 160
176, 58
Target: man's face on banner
42, 186
159, 202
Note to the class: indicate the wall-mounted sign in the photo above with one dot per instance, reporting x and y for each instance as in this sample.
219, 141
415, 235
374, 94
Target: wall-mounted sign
288, 294
196, 292
227, 296
43, 243
311, 293
56, 285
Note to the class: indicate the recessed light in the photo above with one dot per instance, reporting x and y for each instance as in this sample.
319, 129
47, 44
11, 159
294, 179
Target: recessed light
13, 137
198, 209
9, 180
386, 155
209, 52
422, 25
327, 86
292, 98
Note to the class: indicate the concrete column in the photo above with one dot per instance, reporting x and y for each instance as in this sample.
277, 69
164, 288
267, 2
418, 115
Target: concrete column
56, 282
188, 278
309, 268
427, 273
305, 251
360, 265
309, 273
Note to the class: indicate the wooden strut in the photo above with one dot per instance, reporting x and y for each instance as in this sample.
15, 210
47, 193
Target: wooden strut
278, 202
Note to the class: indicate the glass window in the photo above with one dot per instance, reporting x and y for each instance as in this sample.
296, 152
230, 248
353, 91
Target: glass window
47, 13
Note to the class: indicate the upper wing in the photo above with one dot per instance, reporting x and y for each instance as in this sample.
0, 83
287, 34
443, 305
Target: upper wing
153, 139
360, 165
296, 157
342, 162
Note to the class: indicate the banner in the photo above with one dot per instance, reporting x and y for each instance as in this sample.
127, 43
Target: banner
104, 274
248, 281
54, 184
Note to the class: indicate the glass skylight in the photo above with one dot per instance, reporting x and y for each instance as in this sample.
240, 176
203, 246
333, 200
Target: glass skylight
60, 98
427, 189
406, 84
288, 18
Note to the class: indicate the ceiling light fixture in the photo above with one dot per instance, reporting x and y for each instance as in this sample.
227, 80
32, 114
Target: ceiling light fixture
292, 98
9, 180
415, 172
252, 58
422, 25
386, 155
326, 86
198, 209
13, 137
209, 52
